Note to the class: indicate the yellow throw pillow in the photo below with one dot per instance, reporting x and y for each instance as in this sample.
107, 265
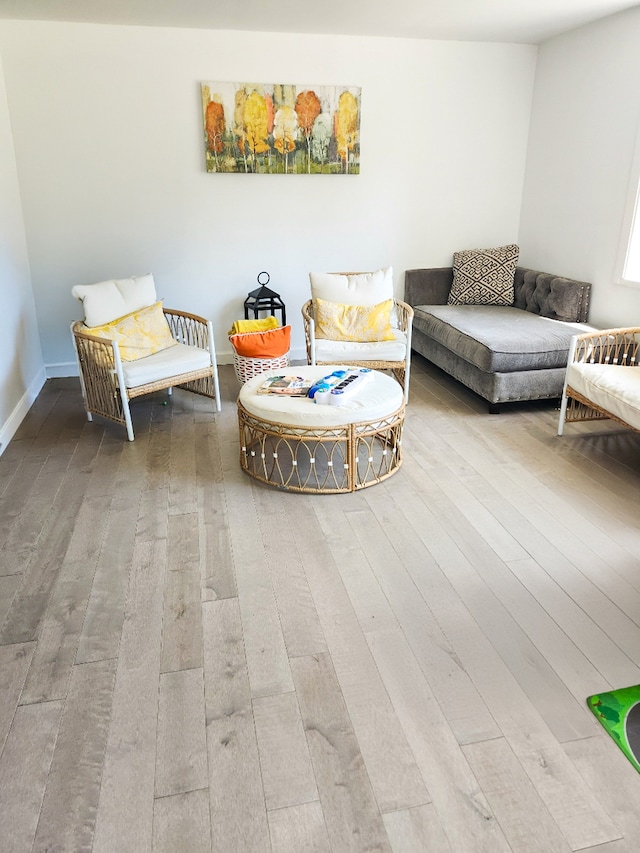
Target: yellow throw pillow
362, 323
139, 334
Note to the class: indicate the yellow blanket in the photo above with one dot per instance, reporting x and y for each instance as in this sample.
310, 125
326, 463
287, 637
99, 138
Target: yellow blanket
241, 327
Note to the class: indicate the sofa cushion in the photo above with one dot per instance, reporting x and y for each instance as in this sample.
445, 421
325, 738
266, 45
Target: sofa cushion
613, 387
484, 276
498, 338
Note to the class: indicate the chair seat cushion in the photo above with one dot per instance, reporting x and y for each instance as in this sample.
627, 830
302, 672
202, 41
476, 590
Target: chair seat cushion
168, 362
338, 352
613, 387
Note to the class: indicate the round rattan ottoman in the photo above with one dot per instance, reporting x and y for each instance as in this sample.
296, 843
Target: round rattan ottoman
301, 446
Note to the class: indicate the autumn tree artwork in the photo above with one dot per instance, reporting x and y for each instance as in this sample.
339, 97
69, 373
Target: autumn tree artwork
281, 129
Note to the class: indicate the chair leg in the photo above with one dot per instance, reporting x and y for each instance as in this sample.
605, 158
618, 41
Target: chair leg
127, 418
214, 365
216, 386
312, 339
81, 376
124, 397
406, 382
564, 401
563, 413
407, 367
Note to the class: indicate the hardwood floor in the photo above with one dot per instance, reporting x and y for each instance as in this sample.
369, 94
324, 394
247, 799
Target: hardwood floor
190, 661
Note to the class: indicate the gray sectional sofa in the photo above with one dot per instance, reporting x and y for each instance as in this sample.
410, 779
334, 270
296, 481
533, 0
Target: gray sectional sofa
503, 353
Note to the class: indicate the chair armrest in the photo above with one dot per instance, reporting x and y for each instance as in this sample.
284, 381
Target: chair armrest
404, 313
608, 346
309, 329
79, 330
190, 329
99, 351
428, 286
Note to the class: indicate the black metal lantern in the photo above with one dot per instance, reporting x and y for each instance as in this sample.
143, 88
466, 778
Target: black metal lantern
264, 299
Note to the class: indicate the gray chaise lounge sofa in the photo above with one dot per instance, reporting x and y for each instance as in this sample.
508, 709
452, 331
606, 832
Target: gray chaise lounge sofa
503, 353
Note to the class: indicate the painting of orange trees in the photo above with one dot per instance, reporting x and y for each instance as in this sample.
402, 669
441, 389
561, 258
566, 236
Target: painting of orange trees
281, 129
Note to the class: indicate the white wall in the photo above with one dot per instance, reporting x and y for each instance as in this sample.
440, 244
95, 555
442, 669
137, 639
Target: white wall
584, 120
108, 136
21, 366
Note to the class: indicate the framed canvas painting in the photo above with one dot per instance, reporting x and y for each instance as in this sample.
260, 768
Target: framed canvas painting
281, 129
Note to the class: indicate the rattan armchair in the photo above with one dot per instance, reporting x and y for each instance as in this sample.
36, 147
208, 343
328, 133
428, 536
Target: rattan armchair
615, 347
399, 366
108, 382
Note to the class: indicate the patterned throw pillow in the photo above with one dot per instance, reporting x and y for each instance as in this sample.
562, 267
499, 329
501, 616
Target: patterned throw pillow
362, 323
139, 334
484, 276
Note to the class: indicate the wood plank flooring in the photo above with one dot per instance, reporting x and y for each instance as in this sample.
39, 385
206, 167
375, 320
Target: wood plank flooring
192, 662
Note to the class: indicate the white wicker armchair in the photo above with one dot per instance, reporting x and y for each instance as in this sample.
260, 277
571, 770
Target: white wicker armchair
600, 382
394, 356
109, 382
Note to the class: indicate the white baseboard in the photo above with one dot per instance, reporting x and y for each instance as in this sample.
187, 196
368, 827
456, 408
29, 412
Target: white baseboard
10, 426
61, 369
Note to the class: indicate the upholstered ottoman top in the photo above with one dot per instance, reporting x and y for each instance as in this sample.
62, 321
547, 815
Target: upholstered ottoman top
373, 401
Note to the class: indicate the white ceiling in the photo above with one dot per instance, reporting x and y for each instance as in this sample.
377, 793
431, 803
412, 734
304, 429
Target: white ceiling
523, 21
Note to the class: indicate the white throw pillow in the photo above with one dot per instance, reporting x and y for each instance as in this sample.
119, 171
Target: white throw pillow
367, 288
109, 300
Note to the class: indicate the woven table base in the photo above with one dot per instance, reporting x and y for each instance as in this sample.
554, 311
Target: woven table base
321, 460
